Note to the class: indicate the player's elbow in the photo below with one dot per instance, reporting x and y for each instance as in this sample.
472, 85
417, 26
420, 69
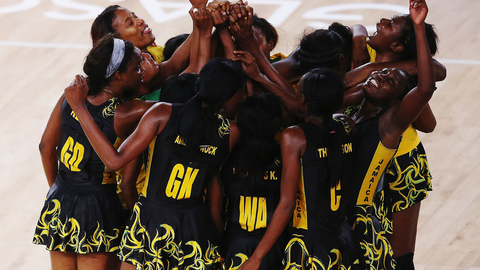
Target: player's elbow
112, 165
45, 147
427, 129
440, 71
287, 205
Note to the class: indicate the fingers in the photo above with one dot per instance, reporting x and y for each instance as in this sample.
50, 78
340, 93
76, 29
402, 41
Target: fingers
198, 3
77, 91
226, 7
244, 54
232, 16
217, 12
245, 57
222, 6
215, 17
239, 11
73, 82
229, 7
234, 28
417, 3
418, 11
246, 65
200, 14
83, 82
240, 56
243, 11
79, 81
249, 15
191, 12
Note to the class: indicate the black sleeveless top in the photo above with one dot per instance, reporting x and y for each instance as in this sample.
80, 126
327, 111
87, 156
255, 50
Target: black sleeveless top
318, 203
178, 174
79, 163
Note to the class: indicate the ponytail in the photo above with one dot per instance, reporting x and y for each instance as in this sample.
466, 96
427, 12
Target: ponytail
218, 81
196, 122
323, 90
259, 119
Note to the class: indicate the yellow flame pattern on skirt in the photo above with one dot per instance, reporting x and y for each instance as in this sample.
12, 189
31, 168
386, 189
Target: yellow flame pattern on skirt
50, 225
163, 251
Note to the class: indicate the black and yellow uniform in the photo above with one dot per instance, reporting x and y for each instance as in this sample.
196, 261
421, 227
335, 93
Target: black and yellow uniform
156, 52
407, 179
321, 237
171, 226
250, 206
277, 57
82, 212
371, 159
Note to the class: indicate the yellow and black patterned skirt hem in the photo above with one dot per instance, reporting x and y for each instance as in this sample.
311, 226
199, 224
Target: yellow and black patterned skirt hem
159, 237
377, 251
80, 222
237, 247
383, 213
409, 179
323, 250
407, 182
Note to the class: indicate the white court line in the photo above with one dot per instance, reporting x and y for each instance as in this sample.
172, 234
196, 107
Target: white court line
461, 62
83, 46
44, 45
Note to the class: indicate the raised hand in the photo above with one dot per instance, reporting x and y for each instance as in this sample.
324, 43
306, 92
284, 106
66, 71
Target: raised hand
241, 20
224, 5
249, 64
418, 11
219, 11
199, 3
239, 12
76, 92
202, 19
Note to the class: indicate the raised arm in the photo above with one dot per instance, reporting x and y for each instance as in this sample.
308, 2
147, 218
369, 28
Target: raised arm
401, 116
292, 146
180, 58
201, 37
128, 114
49, 142
204, 24
361, 73
194, 38
223, 38
270, 79
426, 121
241, 28
353, 96
150, 125
360, 54
288, 67
251, 69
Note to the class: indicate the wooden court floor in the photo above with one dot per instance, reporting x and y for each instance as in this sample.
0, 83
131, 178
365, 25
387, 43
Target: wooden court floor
43, 44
